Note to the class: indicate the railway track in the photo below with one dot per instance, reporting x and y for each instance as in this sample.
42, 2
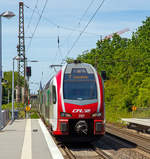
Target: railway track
140, 142
73, 151
79, 151
101, 153
68, 154
112, 146
116, 144
120, 148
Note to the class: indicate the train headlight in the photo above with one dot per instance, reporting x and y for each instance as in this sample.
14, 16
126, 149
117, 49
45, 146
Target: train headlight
96, 114
63, 114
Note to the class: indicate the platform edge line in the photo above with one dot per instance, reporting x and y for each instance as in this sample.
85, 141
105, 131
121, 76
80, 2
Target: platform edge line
54, 151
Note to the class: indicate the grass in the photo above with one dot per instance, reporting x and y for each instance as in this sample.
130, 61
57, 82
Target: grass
34, 115
17, 106
20, 107
114, 115
141, 113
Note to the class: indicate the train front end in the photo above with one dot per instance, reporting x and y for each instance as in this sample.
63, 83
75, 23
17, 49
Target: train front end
82, 101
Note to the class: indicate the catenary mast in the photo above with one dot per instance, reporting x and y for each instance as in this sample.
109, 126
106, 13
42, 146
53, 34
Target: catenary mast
21, 54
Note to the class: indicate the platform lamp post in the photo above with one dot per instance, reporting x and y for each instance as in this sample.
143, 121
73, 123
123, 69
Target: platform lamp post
7, 15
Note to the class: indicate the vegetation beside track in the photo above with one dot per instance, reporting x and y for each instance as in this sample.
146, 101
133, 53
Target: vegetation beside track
21, 110
17, 107
127, 64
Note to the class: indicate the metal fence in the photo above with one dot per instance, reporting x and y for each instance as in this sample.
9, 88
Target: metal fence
4, 118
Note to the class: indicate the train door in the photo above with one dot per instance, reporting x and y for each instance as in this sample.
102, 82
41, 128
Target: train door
47, 103
54, 101
51, 104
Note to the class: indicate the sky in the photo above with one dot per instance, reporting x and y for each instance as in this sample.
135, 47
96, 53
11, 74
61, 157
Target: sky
65, 19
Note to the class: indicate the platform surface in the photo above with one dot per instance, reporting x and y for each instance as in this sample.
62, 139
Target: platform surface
27, 139
139, 121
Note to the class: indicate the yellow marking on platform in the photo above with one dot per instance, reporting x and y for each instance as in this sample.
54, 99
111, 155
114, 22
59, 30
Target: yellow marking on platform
27, 145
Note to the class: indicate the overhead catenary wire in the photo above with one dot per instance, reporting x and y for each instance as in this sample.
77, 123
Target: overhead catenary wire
76, 40
61, 26
65, 28
37, 12
83, 15
85, 12
37, 24
68, 37
30, 20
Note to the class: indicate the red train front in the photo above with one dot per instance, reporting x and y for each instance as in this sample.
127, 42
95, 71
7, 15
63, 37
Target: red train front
73, 101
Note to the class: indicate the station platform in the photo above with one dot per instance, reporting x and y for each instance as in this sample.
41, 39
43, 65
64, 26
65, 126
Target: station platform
139, 121
27, 139
139, 124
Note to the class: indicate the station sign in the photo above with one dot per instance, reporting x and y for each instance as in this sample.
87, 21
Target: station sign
134, 108
28, 108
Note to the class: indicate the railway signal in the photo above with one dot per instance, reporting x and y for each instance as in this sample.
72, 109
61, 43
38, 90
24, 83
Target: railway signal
28, 71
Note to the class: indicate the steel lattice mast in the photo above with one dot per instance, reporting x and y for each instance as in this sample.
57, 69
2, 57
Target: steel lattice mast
21, 54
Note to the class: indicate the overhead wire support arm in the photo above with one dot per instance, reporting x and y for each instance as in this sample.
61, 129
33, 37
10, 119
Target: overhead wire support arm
54, 66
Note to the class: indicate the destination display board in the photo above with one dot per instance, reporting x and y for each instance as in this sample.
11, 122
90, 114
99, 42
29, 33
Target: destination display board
79, 74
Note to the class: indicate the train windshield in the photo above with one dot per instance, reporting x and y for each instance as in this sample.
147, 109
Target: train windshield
79, 85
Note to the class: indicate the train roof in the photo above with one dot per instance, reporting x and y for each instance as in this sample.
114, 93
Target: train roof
71, 66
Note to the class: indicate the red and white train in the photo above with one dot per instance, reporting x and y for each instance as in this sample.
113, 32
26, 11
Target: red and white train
73, 101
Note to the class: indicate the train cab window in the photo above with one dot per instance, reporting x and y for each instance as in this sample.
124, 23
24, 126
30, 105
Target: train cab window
54, 94
79, 85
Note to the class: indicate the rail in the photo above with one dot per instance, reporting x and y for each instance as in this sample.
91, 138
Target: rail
140, 141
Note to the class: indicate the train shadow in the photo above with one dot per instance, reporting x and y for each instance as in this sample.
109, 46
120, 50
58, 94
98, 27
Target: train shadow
105, 142
77, 139
114, 143
111, 146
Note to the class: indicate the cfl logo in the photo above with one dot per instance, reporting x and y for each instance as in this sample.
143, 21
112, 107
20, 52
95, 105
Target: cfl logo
81, 110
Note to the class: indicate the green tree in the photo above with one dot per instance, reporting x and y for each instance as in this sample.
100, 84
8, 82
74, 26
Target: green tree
127, 63
7, 86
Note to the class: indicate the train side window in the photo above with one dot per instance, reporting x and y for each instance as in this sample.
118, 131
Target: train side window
41, 98
48, 97
54, 94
